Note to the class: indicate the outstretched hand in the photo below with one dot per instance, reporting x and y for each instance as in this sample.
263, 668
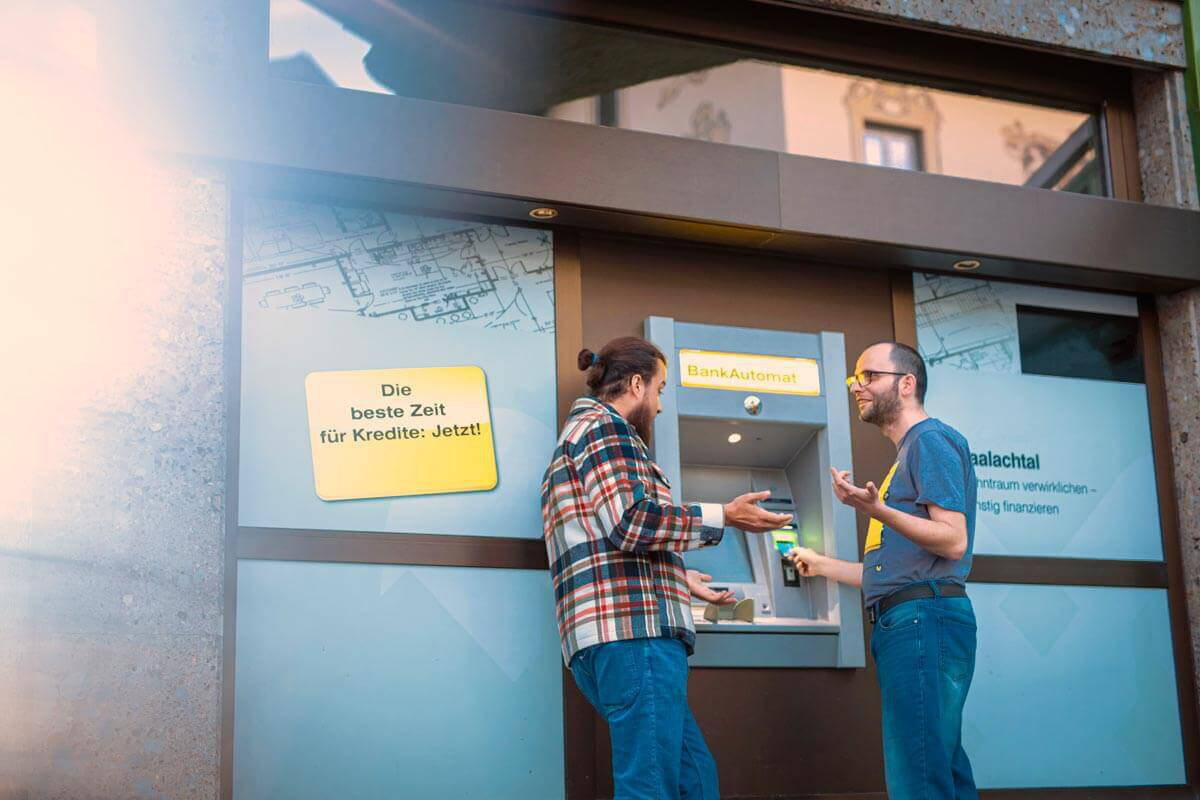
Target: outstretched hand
745, 514
865, 499
698, 585
806, 560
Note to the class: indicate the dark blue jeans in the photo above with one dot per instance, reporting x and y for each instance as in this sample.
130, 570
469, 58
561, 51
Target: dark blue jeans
924, 654
639, 686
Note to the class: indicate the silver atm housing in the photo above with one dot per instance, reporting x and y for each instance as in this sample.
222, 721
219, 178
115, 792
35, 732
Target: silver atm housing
787, 447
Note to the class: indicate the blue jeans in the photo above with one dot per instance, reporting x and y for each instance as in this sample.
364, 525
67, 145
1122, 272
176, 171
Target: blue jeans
639, 686
924, 654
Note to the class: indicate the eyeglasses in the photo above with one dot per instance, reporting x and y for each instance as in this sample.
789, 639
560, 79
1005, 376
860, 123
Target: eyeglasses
864, 377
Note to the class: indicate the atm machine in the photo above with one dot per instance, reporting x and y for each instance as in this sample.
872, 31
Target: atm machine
746, 410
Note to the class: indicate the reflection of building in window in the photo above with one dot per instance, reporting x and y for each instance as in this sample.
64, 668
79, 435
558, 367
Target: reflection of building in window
1029, 147
710, 123
894, 126
1069, 165
676, 85
898, 148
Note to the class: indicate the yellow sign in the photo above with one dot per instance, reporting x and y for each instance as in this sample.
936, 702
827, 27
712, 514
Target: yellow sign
394, 432
745, 372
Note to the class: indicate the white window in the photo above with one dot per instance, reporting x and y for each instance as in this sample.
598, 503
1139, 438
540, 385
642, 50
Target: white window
892, 147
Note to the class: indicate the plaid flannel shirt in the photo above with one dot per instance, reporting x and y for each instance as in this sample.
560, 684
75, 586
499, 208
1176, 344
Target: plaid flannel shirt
613, 536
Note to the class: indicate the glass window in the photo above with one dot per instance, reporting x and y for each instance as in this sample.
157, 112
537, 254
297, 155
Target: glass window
1079, 344
891, 147
1074, 686
503, 58
728, 562
1047, 385
360, 680
397, 371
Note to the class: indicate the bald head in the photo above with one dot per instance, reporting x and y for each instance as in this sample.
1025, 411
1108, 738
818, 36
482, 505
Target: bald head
905, 359
890, 381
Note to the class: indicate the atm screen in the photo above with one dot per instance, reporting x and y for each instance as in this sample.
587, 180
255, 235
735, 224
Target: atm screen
728, 562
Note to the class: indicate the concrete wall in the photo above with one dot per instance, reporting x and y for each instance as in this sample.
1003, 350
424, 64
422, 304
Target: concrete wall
1169, 178
1150, 31
111, 559
112, 471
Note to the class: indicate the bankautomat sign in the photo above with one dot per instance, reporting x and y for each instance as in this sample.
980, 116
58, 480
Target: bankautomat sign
749, 372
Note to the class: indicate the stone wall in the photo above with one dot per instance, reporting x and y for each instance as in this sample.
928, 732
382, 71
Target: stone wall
112, 475
1149, 31
111, 565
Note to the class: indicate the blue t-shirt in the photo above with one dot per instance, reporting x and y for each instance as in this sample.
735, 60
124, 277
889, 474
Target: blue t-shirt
933, 465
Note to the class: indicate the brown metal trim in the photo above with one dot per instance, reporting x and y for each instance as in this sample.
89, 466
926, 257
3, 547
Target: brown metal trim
579, 742
1093, 793
630, 183
1088, 793
568, 320
579, 719
904, 308
1068, 571
1125, 173
353, 547
1168, 512
233, 371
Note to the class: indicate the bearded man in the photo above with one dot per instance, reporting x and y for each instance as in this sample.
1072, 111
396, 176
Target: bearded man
913, 576
621, 592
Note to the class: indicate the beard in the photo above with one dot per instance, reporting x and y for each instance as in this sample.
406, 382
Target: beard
884, 409
642, 419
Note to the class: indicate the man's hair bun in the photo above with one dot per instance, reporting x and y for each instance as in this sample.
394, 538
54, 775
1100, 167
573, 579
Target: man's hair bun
609, 372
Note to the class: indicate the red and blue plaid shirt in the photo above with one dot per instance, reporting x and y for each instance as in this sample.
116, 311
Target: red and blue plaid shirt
613, 536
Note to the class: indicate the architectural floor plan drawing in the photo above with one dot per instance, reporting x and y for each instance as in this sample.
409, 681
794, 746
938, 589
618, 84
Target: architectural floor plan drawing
965, 323
304, 256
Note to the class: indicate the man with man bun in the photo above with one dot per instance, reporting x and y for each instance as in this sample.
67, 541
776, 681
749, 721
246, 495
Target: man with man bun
621, 591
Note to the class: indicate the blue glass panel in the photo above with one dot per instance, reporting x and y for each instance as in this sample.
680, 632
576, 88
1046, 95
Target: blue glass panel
327, 288
360, 680
1074, 686
728, 562
1044, 383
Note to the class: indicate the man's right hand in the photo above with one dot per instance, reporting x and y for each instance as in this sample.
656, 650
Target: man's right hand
745, 514
808, 561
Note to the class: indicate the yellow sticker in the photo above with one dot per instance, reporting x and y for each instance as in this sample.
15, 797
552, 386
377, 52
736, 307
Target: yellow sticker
396, 432
875, 527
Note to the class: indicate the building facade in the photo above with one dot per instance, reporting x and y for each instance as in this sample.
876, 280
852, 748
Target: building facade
301, 203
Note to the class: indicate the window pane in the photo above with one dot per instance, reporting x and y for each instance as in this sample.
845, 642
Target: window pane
728, 562
900, 153
1079, 344
1055, 701
357, 680
391, 366
495, 57
873, 149
1046, 385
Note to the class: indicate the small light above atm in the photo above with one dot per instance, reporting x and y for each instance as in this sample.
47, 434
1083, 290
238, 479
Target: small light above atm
734, 438
967, 264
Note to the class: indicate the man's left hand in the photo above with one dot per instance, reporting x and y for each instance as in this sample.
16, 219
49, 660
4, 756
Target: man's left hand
864, 499
698, 585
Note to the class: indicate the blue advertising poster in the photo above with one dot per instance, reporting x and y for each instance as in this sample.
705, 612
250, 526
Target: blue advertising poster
1048, 387
397, 371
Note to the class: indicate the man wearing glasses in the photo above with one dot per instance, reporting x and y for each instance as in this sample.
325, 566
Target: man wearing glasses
913, 576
